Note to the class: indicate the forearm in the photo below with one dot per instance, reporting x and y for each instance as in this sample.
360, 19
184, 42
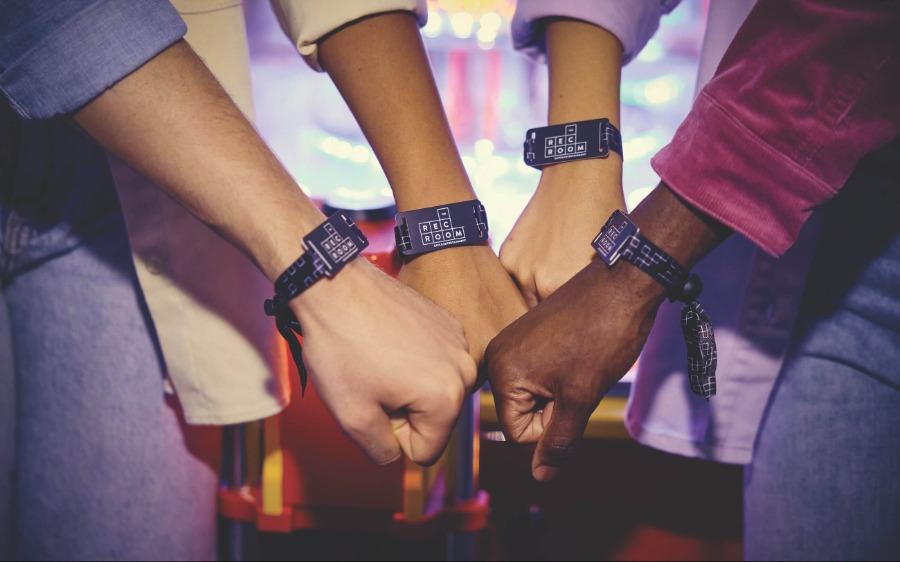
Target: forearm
172, 121
381, 69
585, 67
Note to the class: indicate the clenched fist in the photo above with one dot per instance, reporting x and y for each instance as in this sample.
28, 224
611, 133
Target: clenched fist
549, 369
391, 366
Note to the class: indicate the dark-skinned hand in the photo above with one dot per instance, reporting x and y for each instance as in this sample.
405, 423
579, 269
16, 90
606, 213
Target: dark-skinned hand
550, 368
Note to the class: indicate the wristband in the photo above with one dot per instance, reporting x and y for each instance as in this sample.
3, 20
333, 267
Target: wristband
435, 228
581, 140
329, 247
621, 238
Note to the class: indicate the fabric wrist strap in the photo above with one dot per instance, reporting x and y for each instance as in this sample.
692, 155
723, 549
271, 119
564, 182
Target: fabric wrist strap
444, 226
329, 247
621, 238
580, 140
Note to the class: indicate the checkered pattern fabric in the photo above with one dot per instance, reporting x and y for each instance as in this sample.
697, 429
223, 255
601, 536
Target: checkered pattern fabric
701, 349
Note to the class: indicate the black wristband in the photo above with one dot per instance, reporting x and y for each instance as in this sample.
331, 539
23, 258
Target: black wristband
329, 247
621, 238
581, 140
444, 226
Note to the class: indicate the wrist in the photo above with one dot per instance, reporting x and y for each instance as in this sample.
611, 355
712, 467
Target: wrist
432, 194
626, 285
591, 188
351, 284
280, 242
591, 175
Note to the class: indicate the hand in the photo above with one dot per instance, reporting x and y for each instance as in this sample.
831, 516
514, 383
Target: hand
550, 242
470, 282
550, 368
391, 366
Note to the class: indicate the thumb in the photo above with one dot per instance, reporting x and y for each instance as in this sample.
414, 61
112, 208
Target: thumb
560, 439
423, 433
371, 430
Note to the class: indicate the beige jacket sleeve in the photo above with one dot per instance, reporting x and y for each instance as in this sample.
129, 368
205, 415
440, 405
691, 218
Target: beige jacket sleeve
306, 22
223, 356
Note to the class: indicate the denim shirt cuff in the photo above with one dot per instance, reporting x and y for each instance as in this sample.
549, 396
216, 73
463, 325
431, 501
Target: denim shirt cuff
88, 54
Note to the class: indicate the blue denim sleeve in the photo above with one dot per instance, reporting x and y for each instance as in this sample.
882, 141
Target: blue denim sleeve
57, 56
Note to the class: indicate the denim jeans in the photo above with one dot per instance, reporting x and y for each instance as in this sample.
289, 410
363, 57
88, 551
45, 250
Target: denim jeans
825, 481
103, 466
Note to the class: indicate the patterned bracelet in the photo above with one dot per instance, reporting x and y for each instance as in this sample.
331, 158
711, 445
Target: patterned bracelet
329, 247
621, 238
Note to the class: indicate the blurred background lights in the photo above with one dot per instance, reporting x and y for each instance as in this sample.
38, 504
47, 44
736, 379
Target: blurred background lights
484, 148
641, 146
360, 154
435, 24
663, 89
653, 52
491, 20
463, 24
635, 196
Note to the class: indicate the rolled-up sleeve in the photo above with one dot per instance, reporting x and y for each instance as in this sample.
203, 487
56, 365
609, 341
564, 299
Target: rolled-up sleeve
306, 22
633, 22
57, 56
805, 90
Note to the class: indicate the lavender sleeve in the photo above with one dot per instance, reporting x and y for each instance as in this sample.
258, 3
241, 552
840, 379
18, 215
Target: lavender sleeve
633, 22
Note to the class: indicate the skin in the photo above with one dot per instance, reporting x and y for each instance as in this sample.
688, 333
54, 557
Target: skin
392, 367
550, 369
391, 91
550, 242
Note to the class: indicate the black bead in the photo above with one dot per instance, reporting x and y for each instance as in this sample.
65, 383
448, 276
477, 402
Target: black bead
692, 289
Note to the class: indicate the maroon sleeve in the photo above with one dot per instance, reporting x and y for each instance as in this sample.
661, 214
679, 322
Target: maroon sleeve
806, 89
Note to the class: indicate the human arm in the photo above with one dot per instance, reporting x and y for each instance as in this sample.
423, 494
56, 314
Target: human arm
550, 369
550, 241
755, 191
390, 89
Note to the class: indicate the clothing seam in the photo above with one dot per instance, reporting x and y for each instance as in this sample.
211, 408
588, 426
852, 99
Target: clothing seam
709, 448
264, 409
735, 351
862, 83
770, 150
712, 207
76, 17
848, 363
231, 6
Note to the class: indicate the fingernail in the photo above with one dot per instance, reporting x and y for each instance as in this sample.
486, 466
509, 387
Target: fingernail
545, 473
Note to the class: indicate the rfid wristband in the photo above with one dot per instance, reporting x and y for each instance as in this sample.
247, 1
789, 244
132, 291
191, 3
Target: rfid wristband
435, 228
329, 247
581, 140
621, 238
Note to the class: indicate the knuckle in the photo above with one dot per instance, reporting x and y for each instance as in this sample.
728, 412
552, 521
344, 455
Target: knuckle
468, 371
428, 458
508, 254
547, 285
560, 447
354, 423
510, 260
447, 395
